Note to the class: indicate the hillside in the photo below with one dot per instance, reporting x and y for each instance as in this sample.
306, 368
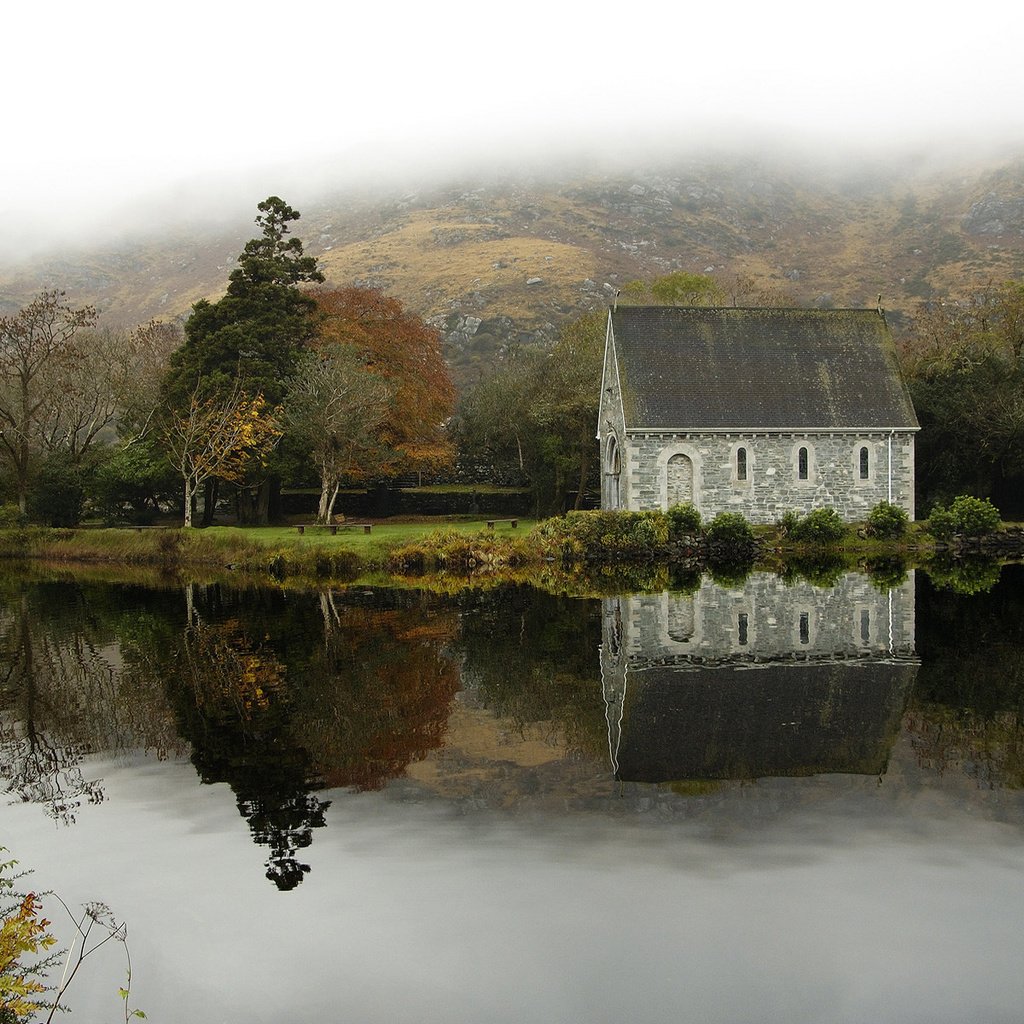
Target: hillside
499, 262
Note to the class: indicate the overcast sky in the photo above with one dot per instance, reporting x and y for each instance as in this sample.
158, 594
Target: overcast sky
110, 104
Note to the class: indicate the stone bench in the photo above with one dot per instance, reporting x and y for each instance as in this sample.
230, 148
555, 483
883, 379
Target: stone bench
513, 523
335, 527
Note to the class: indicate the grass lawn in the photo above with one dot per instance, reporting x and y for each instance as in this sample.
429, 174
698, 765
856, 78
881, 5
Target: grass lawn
386, 534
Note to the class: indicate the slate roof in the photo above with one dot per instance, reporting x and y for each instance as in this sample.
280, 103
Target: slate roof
775, 369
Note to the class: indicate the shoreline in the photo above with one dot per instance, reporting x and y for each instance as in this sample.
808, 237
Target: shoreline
457, 556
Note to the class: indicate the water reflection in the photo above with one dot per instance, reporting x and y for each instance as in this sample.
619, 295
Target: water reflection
458, 750
768, 678
69, 689
499, 699
281, 696
277, 695
967, 716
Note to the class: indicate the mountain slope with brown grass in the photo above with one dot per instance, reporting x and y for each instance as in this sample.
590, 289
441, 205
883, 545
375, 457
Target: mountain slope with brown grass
500, 262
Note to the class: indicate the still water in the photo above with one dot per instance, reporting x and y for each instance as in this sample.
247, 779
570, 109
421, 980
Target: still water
759, 800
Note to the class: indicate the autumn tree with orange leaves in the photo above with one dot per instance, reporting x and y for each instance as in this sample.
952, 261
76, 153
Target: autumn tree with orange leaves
405, 352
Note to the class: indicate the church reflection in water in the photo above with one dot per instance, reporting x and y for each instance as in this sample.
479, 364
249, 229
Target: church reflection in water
771, 679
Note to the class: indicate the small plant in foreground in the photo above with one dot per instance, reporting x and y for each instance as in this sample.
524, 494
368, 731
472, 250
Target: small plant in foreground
789, 522
730, 529
732, 548
605, 536
24, 934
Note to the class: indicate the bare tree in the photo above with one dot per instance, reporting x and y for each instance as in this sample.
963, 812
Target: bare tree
337, 407
37, 351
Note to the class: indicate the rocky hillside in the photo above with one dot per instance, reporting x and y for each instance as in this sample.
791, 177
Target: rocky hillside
498, 262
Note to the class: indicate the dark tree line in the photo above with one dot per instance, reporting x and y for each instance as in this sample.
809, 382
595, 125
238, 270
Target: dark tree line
963, 364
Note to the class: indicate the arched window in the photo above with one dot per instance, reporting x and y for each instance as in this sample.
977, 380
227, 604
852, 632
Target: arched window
679, 483
864, 463
741, 463
612, 488
613, 456
801, 464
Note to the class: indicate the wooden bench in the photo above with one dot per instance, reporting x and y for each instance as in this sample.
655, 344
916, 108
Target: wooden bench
334, 527
513, 523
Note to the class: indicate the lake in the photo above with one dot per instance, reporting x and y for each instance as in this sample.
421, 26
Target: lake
755, 799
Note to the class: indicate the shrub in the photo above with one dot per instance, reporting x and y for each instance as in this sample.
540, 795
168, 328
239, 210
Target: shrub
683, 520
941, 523
11, 517
127, 483
887, 521
788, 523
58, 495
605, 536
730, 549
730, 529
974, 516
821, 526
967, 514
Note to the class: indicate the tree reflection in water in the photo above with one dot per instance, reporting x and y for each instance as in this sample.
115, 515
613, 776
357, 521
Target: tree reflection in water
235, 709
64, 694
967, 713
349, 703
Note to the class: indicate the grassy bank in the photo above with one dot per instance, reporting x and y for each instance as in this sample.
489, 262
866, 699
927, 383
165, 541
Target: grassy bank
276, 550
577, 554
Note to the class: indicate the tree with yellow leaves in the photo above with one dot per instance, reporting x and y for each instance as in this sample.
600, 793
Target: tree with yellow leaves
218, 437
24, 932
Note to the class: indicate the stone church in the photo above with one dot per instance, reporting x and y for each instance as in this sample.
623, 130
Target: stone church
757, 411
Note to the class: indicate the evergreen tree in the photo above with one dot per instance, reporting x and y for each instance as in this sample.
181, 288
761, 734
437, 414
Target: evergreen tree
250, 339
253, 334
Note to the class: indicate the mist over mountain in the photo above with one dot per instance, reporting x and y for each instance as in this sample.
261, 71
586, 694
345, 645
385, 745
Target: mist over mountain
501, 258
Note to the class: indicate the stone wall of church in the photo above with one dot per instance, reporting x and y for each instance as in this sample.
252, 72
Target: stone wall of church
763, 476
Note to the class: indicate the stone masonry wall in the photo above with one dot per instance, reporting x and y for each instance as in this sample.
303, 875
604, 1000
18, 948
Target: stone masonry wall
772, 485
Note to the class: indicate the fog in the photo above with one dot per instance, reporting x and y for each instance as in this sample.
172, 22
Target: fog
124, 114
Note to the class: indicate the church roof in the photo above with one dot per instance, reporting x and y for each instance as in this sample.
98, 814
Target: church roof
752, 369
